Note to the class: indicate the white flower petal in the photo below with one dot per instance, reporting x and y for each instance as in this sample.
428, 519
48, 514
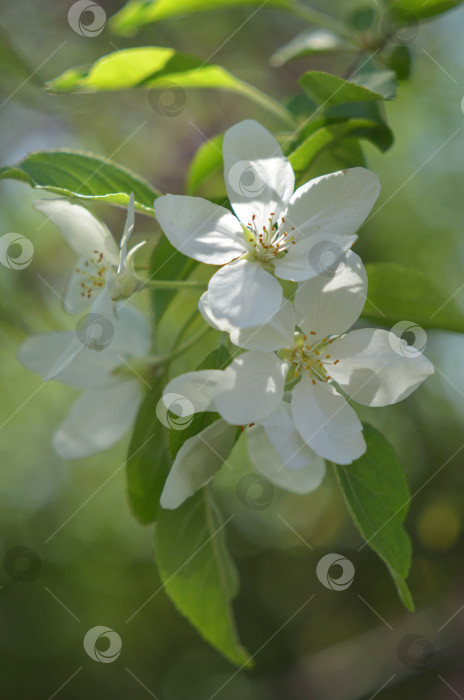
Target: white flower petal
244, 294
285, 439
98, 419
251, 387
268, 463
318, 255
197, 462
273, 335
75, 299
259, 178
326, 422
373, 372
329, 305
200, 229
197, 388
132, 335
337, 202
84, 233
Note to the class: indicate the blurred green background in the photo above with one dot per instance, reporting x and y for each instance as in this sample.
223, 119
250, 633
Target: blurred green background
97, 565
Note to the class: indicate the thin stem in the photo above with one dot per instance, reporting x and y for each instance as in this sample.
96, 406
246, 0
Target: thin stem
173, 284
323, 20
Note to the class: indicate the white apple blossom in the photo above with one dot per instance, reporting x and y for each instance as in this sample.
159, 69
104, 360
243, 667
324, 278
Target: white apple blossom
112, 394
276, 231
315, 356
101, 262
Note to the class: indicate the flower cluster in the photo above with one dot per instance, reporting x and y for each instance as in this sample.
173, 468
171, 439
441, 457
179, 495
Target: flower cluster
298, 363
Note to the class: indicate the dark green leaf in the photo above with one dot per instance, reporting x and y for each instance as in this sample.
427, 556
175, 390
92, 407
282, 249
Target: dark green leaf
148, 461
398, 293
83, 175
380, 134
329, 90
317, 41
400, 61
207, 160
414, 10
138, 13
381, 82
167, 263
362, 18
159, 68
198, 574
377, 495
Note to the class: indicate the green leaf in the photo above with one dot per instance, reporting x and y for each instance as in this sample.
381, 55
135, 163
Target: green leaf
148, 461
159, 68
377, 496
400, 61
207, 160
380, 134
326, 133
167, 263
318, 41
397, 293
381, 82
83, 175
197, 572
362, 18
138, 13
418, 9
329, 90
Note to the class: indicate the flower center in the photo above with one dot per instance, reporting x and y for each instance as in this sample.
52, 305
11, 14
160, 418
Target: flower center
310, 354
93, 275
271, 242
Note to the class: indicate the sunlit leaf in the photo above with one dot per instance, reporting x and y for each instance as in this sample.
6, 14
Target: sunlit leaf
83, 175
318, 41
418, 9
398, 293
329, 90
159, 68
137, 13
197, 572
377, 495
207, 160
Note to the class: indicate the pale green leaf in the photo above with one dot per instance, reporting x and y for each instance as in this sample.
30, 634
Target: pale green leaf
83, 175
413, 10
317, 41
329, 90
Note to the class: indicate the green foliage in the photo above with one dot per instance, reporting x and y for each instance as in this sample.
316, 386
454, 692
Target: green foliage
167, 263
148, 461
418, 9
398, 293
329, 90
400, 61
207, 160
197, 572
138, 13
377, 495
159, 68
310, 43
83, 175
